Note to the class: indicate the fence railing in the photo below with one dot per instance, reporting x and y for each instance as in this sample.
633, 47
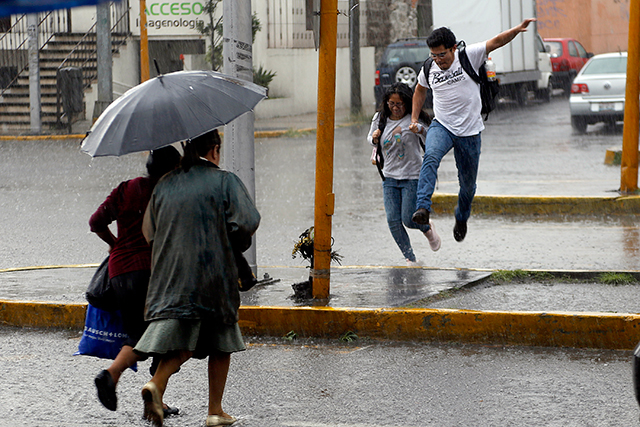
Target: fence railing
14, 43
14, 49
81, 58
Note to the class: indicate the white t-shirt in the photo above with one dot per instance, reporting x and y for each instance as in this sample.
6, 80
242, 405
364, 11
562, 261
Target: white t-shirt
401, 148
456, 97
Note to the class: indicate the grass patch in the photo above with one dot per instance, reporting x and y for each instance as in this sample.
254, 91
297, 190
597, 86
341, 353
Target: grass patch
509, 276
506, 276
616, 279
360, 119
297, 133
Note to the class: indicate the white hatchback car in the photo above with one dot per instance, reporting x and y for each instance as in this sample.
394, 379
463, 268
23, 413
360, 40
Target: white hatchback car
597, 92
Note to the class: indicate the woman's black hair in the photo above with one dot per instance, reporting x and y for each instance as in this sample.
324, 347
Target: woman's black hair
162, 160
406, 95
441, 37
199, 147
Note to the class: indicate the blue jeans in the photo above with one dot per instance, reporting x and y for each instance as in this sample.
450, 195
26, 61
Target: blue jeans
466, 150
399, 203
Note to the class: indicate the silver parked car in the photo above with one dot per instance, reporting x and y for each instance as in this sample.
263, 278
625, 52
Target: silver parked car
597, 92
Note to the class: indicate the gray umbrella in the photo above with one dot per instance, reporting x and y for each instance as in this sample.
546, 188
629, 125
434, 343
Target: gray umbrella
170, 108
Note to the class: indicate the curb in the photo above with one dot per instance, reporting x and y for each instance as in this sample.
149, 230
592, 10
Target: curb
542, 205
257, 134
561, 329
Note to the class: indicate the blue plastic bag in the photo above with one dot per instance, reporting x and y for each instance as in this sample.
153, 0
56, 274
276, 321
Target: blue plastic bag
103, 334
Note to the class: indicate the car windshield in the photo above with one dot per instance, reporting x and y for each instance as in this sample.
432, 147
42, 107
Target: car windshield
411, 54
612, 65
555, 49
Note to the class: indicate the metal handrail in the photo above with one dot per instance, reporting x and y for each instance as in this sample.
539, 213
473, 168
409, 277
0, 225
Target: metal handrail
12, 43
80, 58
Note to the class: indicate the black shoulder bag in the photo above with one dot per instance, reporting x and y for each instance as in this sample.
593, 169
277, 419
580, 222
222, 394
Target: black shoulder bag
379, 156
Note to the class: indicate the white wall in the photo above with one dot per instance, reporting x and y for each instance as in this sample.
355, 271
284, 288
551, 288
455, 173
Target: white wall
294, 89
82, 18
126, 74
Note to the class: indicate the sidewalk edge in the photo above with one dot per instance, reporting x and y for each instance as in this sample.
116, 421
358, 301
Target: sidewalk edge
547, 329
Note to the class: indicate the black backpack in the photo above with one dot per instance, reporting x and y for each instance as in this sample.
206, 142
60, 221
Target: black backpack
488, 89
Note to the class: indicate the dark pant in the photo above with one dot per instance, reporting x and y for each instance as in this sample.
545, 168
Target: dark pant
131, 291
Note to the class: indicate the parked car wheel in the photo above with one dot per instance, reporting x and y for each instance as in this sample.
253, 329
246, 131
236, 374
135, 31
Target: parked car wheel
406, 74
522, 94
579, 124
545, 94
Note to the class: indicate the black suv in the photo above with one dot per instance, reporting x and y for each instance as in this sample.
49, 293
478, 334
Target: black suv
401, 62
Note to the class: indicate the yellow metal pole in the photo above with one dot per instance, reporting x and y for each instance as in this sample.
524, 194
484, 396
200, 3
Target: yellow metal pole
324, 197
144, 44
630, 133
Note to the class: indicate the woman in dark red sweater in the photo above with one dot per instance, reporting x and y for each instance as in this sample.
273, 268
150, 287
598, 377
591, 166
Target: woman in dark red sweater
129, 261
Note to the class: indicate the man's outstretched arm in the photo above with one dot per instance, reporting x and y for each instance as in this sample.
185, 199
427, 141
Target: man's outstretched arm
506, 36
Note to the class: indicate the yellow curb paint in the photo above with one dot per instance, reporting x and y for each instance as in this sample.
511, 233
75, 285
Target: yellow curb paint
541, 205
571, 329
42, 314
47, 267
38, 137
257, 134
590, 330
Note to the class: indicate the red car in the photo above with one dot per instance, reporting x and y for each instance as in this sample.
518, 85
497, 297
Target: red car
567, 58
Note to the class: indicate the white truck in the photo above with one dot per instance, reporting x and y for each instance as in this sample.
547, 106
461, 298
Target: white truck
522, 65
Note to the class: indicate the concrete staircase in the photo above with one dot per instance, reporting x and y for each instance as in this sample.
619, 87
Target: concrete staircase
14, 103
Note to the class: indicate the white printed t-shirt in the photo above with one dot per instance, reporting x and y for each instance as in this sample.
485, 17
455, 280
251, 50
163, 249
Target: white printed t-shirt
456, 97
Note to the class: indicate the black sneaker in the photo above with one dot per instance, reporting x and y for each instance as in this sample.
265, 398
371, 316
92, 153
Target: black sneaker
421, 216
460, 230
106, 390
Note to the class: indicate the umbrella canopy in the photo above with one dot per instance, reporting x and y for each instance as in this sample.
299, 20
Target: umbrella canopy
170, 108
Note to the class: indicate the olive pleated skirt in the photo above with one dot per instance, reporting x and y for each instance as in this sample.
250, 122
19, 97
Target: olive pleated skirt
199, 336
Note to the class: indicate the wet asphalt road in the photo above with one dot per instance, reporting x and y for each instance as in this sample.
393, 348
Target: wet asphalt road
48, 190
312, 383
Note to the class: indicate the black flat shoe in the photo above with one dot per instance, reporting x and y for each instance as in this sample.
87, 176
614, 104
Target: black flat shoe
106, 390
170, 411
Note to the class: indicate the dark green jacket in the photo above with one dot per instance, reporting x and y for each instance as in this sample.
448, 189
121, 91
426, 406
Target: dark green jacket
192, 221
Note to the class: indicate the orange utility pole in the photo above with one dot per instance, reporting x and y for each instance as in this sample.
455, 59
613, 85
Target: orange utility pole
324, 197
630, 133
144, 44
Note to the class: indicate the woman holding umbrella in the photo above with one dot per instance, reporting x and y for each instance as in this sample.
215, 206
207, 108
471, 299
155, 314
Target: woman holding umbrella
198, 215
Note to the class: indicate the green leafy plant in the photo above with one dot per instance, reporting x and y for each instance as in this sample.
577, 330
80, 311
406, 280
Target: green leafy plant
290, 336
349, 336
304, 247
263, 77
214, 30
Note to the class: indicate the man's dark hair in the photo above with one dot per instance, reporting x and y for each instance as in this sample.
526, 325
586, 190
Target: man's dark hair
441, 37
